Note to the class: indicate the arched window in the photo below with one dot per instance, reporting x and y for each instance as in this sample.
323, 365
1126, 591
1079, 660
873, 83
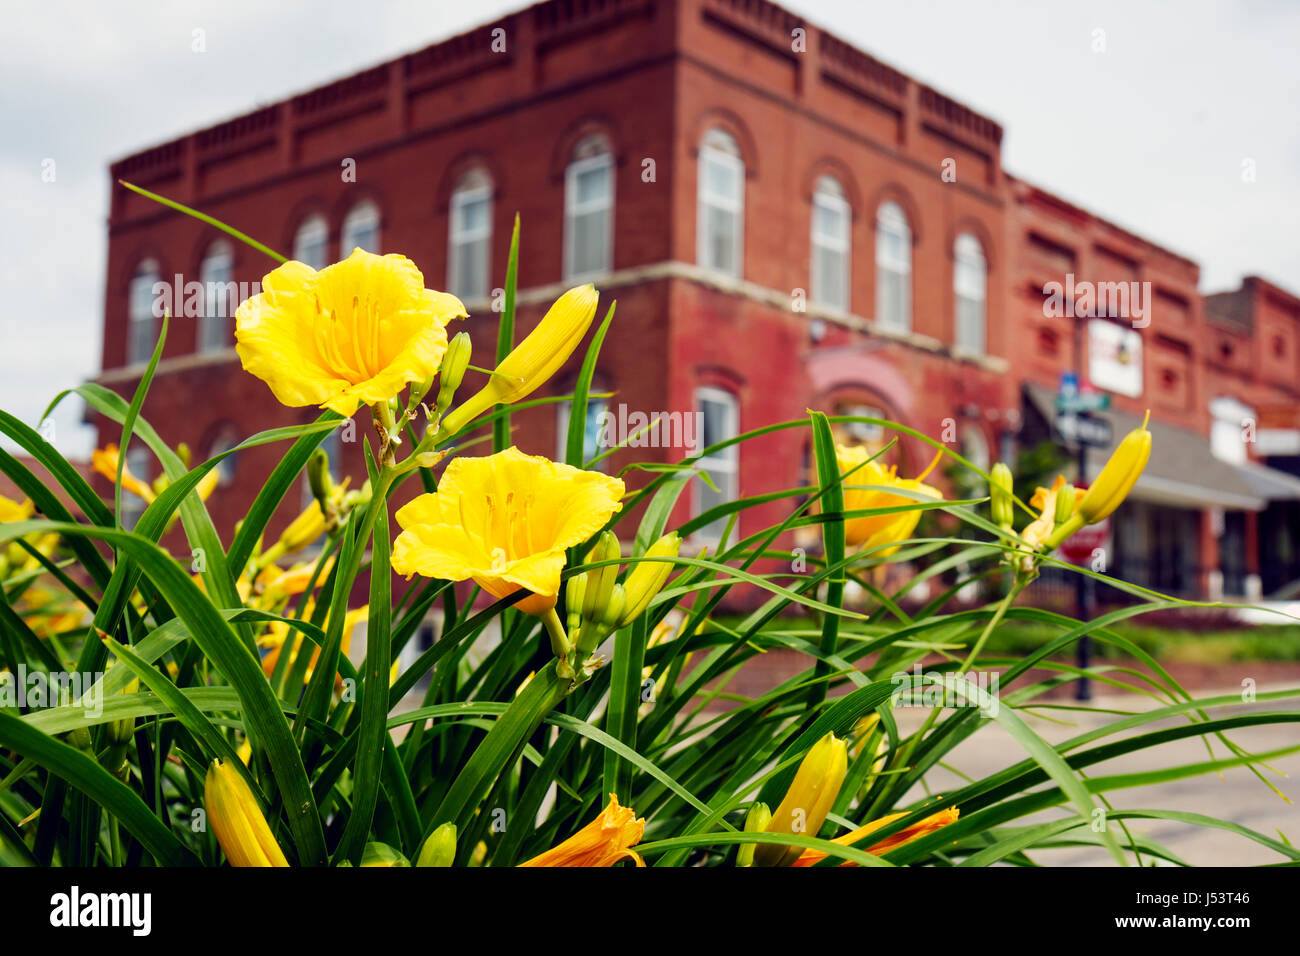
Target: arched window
969, 285
469, 242
893, 268
311, 243
140, 332
718, 415
220, 296
720, 227
831, 218
360, 229
589, 208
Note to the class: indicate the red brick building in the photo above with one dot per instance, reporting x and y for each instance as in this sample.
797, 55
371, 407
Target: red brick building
785, 221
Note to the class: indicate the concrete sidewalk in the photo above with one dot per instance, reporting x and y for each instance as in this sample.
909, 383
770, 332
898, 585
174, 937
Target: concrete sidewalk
1238, 796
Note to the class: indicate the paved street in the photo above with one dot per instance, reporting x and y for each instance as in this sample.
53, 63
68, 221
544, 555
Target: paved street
1238, 796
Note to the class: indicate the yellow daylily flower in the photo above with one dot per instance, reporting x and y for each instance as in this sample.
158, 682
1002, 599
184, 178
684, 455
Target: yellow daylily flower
276, 584
237, 819
906, 835
280, 633
808, 801
47, 613
603, 842
534, 360
356, 332
11, 510
104, 461
504, 521
871, 531
14, 558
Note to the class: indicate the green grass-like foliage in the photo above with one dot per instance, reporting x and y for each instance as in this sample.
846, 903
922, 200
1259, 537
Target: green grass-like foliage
519, 770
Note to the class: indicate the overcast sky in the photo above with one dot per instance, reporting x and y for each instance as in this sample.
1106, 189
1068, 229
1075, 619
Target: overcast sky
1151, 133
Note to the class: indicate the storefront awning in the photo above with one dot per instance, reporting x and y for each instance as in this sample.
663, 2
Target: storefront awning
1183, 472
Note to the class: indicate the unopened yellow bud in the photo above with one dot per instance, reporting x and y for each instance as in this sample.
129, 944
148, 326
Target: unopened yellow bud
237, 819
440, 848
534, 360
304, 529
756, 821
646, 579
1118, 476
809, 799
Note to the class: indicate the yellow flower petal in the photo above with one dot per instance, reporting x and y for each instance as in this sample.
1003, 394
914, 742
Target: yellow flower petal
602, 842
504, 521
353, 333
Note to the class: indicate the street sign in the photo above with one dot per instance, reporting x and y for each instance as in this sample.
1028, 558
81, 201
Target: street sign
1083, 402
1084, 429
1079, 547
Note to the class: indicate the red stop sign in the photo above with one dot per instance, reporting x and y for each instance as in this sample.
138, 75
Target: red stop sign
1079, 547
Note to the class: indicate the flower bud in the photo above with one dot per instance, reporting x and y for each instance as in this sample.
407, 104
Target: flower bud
1118, 476
1000, 495
440, 848
611, 616
601, 583
237, 819
318, 476
809, 799
454, 363
304, 529
381, 854
646, 579
575, 590
756, 821
534, 360
1065, 501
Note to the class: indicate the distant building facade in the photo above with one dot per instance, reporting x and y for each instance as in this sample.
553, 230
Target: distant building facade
786, 223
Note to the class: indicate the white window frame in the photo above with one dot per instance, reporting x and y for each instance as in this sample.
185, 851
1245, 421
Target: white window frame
723, 468
832, 246
140, 321
363, 215
891, 220
968, 261
316, 230
733, 205
573, 209
214, 328
458, 238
